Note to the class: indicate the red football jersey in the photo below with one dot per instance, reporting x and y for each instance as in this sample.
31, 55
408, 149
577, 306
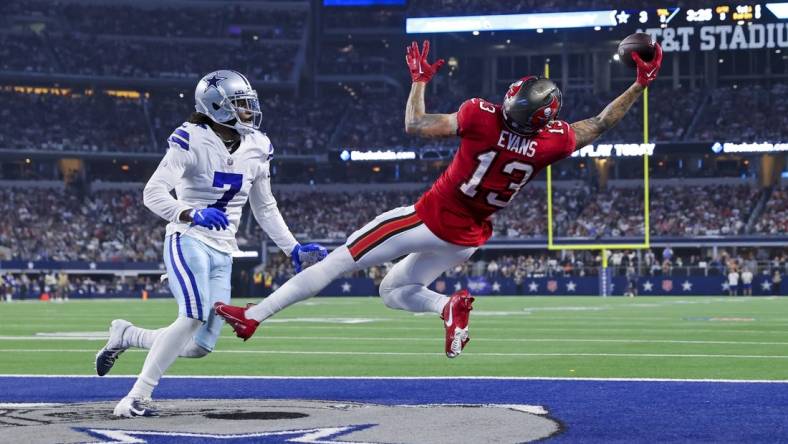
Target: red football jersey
490, 167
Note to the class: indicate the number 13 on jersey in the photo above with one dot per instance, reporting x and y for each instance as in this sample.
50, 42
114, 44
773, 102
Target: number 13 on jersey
486, 159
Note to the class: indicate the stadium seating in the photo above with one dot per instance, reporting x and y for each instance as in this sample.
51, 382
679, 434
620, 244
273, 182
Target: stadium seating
106, 226
144, 42
766, 111
306, 126
73, 122
113, 225
216, 20
97, 56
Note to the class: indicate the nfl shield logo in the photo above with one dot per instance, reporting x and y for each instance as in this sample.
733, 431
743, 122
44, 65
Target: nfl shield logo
667, 285
552, 286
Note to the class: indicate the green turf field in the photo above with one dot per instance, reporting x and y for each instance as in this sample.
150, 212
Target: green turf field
706, 338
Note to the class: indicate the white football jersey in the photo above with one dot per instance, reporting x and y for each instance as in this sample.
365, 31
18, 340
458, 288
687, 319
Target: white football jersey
204, 174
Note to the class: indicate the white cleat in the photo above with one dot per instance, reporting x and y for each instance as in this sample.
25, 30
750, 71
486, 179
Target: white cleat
129, 407
106, 357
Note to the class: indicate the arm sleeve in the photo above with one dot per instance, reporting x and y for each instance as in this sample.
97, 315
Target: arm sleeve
267, 213
156, 194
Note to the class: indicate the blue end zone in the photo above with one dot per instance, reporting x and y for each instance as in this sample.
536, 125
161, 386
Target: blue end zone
591, 411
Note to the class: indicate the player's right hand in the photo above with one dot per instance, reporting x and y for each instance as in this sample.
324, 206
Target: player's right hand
210, 218
647, 71
420, 69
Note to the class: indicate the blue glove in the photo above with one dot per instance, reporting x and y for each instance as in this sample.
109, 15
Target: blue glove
210, 218
305, 255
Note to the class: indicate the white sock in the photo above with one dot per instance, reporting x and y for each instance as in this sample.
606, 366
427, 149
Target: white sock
304, 285
144, 338
140, 337
166, 348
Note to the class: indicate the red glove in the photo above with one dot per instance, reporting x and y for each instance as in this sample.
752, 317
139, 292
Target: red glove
647, 71
420, 69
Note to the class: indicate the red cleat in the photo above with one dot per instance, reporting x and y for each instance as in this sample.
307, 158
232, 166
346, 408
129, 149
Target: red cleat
456, 314
235, 316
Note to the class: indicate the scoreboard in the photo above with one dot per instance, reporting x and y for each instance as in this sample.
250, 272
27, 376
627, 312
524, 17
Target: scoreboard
721, 14
663, 17
723, 27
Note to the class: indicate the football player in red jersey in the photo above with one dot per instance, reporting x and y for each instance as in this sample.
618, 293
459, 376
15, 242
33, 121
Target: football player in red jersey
502, 147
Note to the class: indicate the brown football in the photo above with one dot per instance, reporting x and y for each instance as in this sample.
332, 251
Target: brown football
638, 42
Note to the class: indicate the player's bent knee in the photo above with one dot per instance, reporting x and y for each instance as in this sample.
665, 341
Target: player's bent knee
387, 291
387, 294
194, 350
395, 296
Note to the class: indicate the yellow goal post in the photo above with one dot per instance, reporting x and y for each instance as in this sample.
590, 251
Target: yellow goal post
551, 245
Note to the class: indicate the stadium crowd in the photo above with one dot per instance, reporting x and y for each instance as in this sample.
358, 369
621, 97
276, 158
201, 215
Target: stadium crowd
59, 286
655, 262
112, 225
767, 111
50, 224
771, 265
670, 114
675, 211
72, 121
141, 42
216, 20
98, 56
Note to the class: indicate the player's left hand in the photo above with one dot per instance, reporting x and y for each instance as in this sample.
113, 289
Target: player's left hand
647, 71
305, 255
420, 69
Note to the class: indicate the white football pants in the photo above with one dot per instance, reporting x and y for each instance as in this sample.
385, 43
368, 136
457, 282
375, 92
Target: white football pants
391, 235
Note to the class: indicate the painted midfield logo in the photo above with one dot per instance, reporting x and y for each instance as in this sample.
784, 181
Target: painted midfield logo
324, 435
277, 421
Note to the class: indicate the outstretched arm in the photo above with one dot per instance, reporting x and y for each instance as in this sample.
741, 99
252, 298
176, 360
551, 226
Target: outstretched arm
419, 123
267, 213
586, 131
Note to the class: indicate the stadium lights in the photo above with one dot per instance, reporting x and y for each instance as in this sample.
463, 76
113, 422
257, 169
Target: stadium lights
510, 22
780, 10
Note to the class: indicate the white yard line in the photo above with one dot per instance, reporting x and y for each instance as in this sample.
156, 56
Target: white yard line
429, 339
360, 353
411, 378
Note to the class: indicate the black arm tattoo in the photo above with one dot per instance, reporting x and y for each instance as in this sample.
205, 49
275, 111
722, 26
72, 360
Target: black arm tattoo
586, 131
418, 122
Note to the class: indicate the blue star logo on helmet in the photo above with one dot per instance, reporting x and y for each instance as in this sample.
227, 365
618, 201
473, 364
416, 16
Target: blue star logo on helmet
214, 81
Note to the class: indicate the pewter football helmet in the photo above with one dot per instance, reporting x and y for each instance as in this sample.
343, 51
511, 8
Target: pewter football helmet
222, 94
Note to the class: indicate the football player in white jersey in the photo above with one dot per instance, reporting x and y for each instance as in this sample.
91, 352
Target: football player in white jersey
215, 162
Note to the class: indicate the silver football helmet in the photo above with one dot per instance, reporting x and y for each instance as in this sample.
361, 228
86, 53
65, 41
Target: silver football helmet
228, 99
